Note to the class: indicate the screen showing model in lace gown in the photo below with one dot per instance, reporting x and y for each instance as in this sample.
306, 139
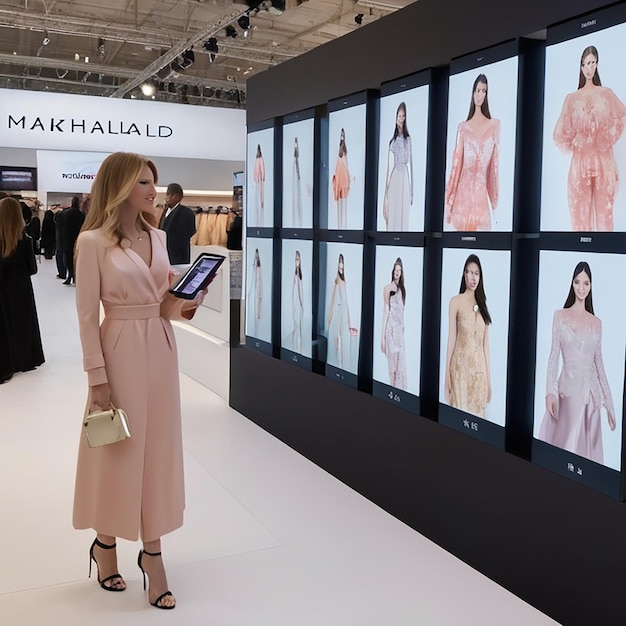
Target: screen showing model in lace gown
346, 168
397, 317
298, 174
259, 206
584, 148
342, 290
480, 156
402, 160
474, 331
581, 342
259, 263
297, 296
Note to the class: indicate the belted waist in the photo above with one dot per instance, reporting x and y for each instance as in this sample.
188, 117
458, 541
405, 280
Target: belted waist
132, 311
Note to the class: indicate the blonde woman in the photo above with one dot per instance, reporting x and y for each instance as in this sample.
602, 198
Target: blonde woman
134, 488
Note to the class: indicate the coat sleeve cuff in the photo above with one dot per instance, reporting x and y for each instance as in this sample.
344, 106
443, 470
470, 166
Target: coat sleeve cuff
97, 376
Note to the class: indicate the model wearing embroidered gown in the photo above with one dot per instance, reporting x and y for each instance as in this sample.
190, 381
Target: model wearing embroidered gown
590, 124
297, 304
398, 196
575, 397
341, 183
256, 291
468, 378
258, 176
296, 187
339, 327
392, 342
473, 182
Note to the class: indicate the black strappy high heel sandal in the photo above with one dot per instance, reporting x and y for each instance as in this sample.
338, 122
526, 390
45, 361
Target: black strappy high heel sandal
163, 595
97, 542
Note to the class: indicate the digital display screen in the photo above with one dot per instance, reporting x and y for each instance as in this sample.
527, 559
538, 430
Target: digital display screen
398, 317
474, 331
298, 139
297, 296
402, 160
341, 289
197, 274
480, 154
18, 178
259, 267
581, 342
584, 149
259, 206
346, 168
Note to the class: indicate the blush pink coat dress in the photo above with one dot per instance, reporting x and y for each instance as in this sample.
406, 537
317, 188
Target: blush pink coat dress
473, 181
582, 387
590, 124
133, 488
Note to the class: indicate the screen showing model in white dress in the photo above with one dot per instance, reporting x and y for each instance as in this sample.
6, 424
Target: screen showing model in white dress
342, 290
259, 263
297, 294
402, 160
298, 174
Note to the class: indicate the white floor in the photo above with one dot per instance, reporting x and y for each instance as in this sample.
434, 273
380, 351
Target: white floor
269, 538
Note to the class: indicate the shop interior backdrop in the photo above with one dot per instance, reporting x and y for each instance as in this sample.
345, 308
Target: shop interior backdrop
303, 131
496, 279
352, 121
292, 323
555, 277
502, 78
561, 79
416, 101
412, 261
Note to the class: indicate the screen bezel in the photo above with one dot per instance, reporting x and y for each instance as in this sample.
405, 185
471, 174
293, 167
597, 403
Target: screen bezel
176, 289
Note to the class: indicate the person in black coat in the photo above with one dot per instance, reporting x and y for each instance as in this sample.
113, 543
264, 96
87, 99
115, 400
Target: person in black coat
33, 226
71, 224
48, 236
20, 339
179, 222
58, 234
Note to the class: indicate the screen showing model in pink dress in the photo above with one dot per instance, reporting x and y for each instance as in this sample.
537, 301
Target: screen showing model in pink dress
480, 162
584, 150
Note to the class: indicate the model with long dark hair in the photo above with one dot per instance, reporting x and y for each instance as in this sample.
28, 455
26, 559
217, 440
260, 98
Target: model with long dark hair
258, 176
339, 326
591, 122
398, 196
473, 186
297, 303
392, 341
468, 376
341, 182
575, 397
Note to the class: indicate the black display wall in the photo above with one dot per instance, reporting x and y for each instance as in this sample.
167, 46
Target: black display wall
557, 545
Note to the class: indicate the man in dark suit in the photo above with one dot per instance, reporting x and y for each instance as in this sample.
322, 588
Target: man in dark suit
179, 222
71, 224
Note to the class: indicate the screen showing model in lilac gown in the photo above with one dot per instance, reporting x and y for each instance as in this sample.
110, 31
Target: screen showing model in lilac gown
581, 339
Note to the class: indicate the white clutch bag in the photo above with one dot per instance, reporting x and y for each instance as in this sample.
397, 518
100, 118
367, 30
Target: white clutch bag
105, 427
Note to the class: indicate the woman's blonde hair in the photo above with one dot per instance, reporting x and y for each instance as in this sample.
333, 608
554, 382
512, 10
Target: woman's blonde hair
114, 182
11, 226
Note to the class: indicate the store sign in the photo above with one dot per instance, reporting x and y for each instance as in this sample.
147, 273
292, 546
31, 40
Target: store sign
53, 121
72, 172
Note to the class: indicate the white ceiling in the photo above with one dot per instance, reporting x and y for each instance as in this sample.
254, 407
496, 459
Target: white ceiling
111, 47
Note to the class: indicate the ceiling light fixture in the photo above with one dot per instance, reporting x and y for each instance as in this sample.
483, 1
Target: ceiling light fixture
244, 24
358, 18
184, 61
148, 89
210, 45
231, 31
101, 49
46, 39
